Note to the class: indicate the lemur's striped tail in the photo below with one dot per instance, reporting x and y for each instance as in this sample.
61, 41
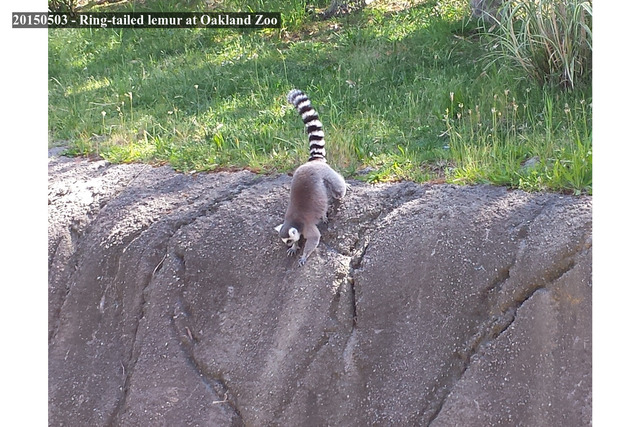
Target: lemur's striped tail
311, 123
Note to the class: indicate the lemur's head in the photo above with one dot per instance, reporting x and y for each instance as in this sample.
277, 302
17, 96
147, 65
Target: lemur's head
289, 235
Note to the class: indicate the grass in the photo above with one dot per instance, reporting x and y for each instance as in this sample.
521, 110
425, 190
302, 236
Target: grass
389, 84
554, 150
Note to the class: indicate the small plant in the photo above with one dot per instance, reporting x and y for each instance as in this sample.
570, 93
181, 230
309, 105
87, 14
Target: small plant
550, 39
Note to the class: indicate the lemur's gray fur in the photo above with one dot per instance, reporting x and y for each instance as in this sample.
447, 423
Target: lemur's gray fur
313, 186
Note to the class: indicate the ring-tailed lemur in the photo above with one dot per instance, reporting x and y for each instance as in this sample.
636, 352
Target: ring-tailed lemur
313, 186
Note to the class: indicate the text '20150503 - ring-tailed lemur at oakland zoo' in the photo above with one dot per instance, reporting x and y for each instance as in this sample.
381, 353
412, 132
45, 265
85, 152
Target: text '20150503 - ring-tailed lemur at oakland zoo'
313, 187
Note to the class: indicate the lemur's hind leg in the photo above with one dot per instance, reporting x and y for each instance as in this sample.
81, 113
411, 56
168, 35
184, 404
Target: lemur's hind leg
336, 185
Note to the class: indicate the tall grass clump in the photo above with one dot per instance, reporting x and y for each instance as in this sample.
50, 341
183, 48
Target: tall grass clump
551, 40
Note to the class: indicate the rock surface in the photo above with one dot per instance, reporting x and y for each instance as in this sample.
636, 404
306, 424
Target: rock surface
172, 302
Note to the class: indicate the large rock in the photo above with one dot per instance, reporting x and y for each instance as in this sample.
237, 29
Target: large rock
172, 302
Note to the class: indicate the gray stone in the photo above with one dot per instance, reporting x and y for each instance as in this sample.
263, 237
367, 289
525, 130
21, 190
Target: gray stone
172, 302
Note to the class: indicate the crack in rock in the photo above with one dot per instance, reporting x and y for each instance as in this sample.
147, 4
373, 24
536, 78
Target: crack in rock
173, 227
497, 325
215, 384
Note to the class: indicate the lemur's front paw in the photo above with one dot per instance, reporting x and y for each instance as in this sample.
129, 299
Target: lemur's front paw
292, 250
302, 260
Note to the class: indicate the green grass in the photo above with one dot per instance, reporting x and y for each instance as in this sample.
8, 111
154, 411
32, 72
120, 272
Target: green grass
215, 99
